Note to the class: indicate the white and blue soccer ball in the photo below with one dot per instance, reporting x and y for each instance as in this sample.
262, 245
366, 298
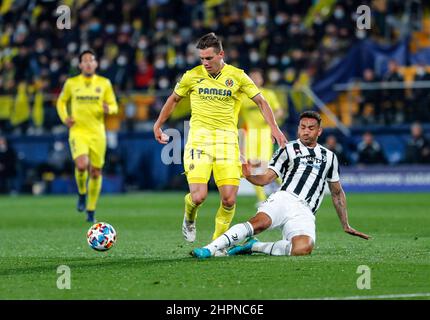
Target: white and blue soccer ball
101, 236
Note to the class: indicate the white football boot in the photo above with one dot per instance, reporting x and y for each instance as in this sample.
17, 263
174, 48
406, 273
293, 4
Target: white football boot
189, 230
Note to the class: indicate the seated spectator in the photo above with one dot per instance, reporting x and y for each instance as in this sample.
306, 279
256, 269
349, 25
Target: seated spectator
8, 166
393, 98
369, 98
418, 148
369, 151
419, 108
332, 144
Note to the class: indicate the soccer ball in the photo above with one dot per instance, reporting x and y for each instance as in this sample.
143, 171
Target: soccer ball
101, 236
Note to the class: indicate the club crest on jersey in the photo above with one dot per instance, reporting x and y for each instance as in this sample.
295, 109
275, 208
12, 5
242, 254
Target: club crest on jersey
191, 167
229, 83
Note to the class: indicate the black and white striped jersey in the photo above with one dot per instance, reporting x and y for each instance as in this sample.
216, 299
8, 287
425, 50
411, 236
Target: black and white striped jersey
304, 171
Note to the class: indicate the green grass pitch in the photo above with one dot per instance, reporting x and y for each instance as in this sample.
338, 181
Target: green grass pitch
151, 261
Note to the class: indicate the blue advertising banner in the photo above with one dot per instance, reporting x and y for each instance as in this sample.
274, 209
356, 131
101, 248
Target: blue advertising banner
364, 54
386, 179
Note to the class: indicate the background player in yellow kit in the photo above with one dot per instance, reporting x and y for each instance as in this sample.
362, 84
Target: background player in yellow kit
91, 97
214, 88
258, 146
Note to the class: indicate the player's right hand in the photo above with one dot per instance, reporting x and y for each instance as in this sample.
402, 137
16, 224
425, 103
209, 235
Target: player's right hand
70, 122
279, 137
356, 233
246, 169
160, 136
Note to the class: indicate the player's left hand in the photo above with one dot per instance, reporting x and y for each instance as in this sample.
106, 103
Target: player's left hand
246, 169
105, 108
356, 233
279, 137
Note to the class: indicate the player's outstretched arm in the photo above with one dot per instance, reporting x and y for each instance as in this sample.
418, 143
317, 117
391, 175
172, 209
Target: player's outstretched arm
339, 201
270, 119
165, 112
258, 180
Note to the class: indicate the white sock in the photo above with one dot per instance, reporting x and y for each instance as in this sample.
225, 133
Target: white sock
232, 236
278, 248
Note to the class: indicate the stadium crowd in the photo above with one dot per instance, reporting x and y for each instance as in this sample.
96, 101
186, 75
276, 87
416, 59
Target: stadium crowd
145, 45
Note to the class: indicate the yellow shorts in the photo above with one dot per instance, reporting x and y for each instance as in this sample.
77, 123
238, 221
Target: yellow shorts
259, 145
93, 146
221, 157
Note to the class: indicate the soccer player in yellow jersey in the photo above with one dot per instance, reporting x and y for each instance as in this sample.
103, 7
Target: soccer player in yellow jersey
91, 97
214, 88
258, 147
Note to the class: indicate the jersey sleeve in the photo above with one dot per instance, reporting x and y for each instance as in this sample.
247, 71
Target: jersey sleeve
248, 86
110, 99
183, 87
62, 101
333, 172
279, 158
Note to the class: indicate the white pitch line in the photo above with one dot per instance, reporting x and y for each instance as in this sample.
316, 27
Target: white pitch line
384, 296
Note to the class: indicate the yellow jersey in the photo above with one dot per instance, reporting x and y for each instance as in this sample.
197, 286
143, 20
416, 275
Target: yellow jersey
215, 99
86, 96
250, 113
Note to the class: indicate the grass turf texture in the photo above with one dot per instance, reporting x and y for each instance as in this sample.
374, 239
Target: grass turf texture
151, 261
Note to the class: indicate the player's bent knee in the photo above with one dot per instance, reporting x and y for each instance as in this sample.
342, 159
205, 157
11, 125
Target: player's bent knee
302, 245
198, 198
228, 202
95, 172
81, 166
302, 250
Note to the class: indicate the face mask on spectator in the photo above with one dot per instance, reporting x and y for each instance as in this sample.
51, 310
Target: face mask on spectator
54, 66
261, 20
75, 62
125, 28
160, 64
272, 60
104, 64
142, 44
163, 83
71, 47
285, 60
280, 19
160, 25
254, 56
249, 23
339, 13
110, 29
360, 34
180, 61
122, 61
249, 38
274, 76
95, 26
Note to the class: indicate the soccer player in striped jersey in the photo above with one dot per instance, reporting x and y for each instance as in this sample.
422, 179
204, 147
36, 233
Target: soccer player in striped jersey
91, 97
305, 167
214, 88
